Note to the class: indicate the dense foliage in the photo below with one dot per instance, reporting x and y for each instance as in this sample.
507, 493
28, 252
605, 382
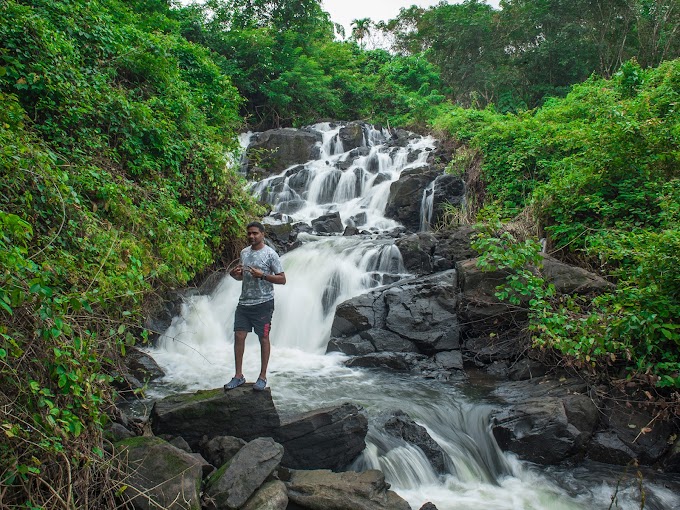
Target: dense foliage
531, 49
114, 135
600, 173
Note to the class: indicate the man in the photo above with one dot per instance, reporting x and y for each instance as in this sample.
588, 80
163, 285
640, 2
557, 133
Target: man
259, 269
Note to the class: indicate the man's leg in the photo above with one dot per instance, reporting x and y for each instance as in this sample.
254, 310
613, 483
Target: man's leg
265, 348
239, 349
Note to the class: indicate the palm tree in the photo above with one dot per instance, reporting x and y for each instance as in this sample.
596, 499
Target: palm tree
360, 29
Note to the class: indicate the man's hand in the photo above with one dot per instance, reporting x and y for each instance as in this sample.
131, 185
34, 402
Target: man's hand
237, 272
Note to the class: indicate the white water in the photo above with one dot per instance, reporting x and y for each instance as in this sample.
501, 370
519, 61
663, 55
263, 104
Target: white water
196, 353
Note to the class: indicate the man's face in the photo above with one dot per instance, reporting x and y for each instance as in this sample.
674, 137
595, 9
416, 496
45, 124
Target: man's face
255, 237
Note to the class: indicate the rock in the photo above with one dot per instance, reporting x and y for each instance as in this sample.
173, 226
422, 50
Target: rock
450, 360
417, 251
526, 368
406, 194
638, 429
271, 496
418, 313
428, 506
480, 310
278, 149
351, 136
400, 425
397, 361
352, 346
179, 442
328, 223
448, 189
573, 280
324, 490
492, 348
142, 366
221, 449
239, 412
118, 432
160, 475
549, 420
608, 448
235, 482
328, 438
671, 463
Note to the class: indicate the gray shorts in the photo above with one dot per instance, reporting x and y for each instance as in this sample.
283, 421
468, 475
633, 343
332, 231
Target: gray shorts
256, 318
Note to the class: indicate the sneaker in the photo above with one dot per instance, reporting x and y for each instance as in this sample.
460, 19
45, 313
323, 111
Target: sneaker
234, 383
260, 384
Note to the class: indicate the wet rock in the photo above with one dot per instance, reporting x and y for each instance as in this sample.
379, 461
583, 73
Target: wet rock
142, 366
450, 360
417, 251
403, 204
400, 425
221, 449
233, 484
352, 346
239, 412
323, 490
573, 280
549, 419
278, 149
351, 136
448, 190
608, 448
328, 223
419, 311
328, 438
160, 475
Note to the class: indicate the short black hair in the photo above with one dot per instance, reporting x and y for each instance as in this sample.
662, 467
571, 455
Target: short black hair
259, 226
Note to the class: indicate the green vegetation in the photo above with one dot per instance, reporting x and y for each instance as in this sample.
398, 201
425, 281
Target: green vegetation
118, 123
600, 172
114, 136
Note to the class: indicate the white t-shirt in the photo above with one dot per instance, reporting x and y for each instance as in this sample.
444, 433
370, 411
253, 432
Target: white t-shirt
253, 290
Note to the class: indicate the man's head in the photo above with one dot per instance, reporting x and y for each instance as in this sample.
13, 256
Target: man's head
255, 232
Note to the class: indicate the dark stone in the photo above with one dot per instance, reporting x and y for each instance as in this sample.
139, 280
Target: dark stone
352, 346
159, 475
325, 490
608, 448
351, 136
233, 484
417, 251
279, 149
328, 438
219, 450
239, 412
406, 194
328, 223
142, 366
400, 425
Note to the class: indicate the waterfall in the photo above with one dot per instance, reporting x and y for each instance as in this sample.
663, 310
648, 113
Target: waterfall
197, 350
426, 207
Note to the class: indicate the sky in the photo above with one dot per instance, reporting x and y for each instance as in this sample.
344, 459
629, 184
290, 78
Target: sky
345, 11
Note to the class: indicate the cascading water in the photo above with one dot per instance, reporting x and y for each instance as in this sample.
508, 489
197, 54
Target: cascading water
196, 350
426, 207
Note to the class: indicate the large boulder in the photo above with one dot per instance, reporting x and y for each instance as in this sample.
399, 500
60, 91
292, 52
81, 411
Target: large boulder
427, 252
324, 490
240, 412
416, 315
549, 419
158, 475
235, 482
351, 136
275, 150
328, 438
448, 190
406, 196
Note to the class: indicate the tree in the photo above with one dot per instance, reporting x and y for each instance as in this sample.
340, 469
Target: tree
360, 29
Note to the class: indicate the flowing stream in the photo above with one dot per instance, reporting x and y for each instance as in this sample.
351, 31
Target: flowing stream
197, 350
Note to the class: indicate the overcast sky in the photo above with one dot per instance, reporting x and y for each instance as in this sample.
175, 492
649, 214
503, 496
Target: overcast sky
345, 11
